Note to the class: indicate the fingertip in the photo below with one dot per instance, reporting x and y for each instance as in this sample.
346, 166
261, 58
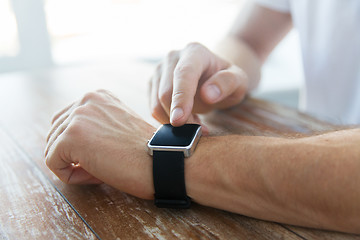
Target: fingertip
177, 123
176, 114
177, 117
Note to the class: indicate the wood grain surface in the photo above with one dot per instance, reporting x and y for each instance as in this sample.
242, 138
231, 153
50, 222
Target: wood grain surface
30, 205
36, 205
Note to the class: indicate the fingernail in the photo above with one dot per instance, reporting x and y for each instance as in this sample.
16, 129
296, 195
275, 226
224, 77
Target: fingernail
213, 92
176, 114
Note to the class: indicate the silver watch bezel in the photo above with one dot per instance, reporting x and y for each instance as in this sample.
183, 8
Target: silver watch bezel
187, 150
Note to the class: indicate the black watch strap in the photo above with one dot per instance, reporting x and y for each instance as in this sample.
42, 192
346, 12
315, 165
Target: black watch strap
169, 180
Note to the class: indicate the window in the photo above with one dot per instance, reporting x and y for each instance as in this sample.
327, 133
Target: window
84, 30
26, 43
9, 44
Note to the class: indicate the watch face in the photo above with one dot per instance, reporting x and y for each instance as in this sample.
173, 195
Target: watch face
168, 135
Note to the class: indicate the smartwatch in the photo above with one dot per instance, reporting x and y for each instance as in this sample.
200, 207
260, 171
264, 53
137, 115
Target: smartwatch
169, 146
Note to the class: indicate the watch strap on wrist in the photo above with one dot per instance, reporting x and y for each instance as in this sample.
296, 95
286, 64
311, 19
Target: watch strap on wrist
169, 180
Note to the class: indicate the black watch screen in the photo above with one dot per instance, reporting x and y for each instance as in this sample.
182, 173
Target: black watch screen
168, 135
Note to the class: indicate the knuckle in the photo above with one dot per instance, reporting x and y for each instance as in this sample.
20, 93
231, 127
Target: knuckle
75, 130
55, 117
179, 96
172, 55
157, 73
81, 110
194, 46
99, 92
48, 162
165, 97
104, 95
158, 68
55, 150
184, 71
90, 96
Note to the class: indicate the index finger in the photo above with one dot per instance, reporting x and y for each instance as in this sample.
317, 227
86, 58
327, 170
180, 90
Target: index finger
191, 65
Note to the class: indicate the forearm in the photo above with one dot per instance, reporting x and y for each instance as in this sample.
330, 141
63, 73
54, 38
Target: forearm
311, 181
254, 34
239, 53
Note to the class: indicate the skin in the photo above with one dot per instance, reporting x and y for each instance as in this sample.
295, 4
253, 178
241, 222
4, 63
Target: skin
196, 80
311, 181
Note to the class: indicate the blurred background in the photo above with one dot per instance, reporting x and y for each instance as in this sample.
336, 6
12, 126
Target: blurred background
42, 34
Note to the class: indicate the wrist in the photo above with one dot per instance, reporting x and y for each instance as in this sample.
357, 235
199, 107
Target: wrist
139, 180
146, 167
197, 171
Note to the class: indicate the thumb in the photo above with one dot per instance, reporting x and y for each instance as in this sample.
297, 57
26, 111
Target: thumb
225, 88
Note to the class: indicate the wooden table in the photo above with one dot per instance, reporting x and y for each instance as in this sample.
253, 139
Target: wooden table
36, 205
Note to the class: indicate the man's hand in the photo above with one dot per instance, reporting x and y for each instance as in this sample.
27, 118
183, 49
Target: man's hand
98, 139
194, 80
